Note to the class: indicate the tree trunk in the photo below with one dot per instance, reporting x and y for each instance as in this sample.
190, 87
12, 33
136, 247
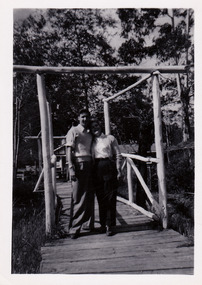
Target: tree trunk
184, 97
81, 63
86, 91
185, 107
15, 134
16, 137
144, 146
182, 90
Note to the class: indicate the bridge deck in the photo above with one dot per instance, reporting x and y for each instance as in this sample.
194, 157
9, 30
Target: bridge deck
136, 248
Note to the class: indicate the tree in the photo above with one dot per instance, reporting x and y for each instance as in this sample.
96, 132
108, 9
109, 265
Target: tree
147, 30
23, 124
60, 37
64, 37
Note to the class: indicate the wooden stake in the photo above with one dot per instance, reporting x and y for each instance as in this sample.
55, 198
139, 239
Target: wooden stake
53, 169
39, 154
107, 118
159, 150
130, 183
49, 203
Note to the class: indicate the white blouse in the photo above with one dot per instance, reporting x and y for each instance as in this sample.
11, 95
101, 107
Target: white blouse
105, 146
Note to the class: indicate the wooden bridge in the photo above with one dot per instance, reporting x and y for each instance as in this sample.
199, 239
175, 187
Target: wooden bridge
137, 247
46, 135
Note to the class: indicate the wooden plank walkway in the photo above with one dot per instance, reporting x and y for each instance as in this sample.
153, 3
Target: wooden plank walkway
137, 247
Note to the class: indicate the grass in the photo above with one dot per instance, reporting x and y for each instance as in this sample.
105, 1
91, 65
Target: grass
181, 214
28, 231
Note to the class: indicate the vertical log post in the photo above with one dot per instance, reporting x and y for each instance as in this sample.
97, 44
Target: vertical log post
159, 149
53, 165
66, 163
49, 203
130, 184
107, 118
39, 154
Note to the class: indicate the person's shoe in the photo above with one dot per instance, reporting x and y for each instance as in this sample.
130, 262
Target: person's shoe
102, 230
89, 229
74, 236
109, 231
85, 228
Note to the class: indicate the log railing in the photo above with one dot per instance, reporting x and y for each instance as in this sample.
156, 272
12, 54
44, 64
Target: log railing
53, 166
157, 212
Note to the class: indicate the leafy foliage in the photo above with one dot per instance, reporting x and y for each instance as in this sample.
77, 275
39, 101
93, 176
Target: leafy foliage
167, 35
79, 37
156, 26
28, 228
59, 37
180, 175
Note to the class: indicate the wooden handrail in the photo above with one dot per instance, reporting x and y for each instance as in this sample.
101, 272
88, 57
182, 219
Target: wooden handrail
37, 137
39, 181
131, 165
123, 165
138, 157
145, 187
53, 162
140, 209
59, 147
127, 89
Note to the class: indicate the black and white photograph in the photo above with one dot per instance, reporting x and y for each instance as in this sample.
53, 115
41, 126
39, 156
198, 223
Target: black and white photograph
103, 138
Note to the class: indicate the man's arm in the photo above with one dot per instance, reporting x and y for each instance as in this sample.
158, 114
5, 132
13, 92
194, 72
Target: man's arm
70, 144
71, 165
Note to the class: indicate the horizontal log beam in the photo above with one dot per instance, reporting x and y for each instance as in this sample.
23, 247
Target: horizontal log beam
36, 137
106, 69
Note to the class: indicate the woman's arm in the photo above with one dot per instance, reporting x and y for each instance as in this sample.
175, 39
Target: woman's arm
117, 153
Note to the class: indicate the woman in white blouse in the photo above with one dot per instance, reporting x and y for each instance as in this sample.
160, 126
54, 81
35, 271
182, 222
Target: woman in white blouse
106, 172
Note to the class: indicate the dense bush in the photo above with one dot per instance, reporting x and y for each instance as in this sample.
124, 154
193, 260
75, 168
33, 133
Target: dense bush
181, 214
180, 175
23, 191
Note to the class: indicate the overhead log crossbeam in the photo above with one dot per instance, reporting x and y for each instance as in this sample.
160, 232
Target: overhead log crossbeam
93, 70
